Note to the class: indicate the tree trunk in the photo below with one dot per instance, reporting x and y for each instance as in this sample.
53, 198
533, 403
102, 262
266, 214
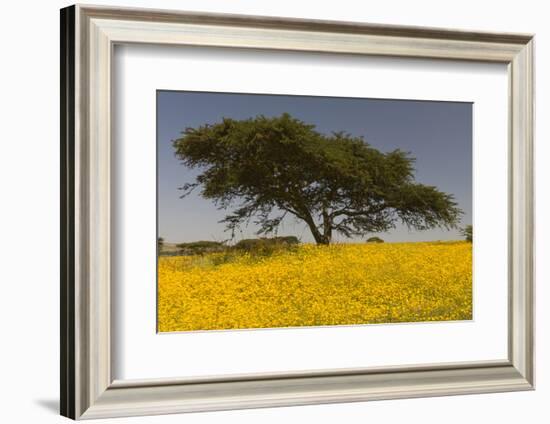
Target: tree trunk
320, 238
317, 236
324, 238
327, 227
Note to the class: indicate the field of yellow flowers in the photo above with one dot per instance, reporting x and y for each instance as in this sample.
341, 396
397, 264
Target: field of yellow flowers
340, 284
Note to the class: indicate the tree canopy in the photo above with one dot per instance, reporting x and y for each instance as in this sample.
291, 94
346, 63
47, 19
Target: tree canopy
266, 168
468, 232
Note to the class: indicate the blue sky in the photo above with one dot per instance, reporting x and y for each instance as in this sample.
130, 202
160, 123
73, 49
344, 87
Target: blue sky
437, 134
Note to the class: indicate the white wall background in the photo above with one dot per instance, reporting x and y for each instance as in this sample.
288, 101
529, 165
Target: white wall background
29, 176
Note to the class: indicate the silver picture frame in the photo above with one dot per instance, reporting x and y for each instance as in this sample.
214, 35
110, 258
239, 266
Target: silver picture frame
88, 389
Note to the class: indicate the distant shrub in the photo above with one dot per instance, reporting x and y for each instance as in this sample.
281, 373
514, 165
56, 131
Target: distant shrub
287, 239
160, 243
259, 246
375, 240
266, 246
200, 247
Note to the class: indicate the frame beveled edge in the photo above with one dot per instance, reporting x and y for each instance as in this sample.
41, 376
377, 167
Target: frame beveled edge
67, 215
87, 387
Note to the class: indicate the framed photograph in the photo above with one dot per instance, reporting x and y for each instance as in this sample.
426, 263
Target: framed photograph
266, 212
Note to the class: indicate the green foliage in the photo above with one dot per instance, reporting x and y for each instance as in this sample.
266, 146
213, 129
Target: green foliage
287, 239
266, 246
200, 247
160, 243
224, 253
375, 240
468, 232
266, 168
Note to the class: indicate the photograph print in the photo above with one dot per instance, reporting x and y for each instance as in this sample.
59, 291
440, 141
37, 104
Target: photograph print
277, 211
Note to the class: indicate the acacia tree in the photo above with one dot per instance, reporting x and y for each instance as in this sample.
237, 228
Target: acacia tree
468, 232
266, 168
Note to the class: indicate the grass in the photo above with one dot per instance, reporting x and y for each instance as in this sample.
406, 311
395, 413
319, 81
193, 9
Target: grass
308, 285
